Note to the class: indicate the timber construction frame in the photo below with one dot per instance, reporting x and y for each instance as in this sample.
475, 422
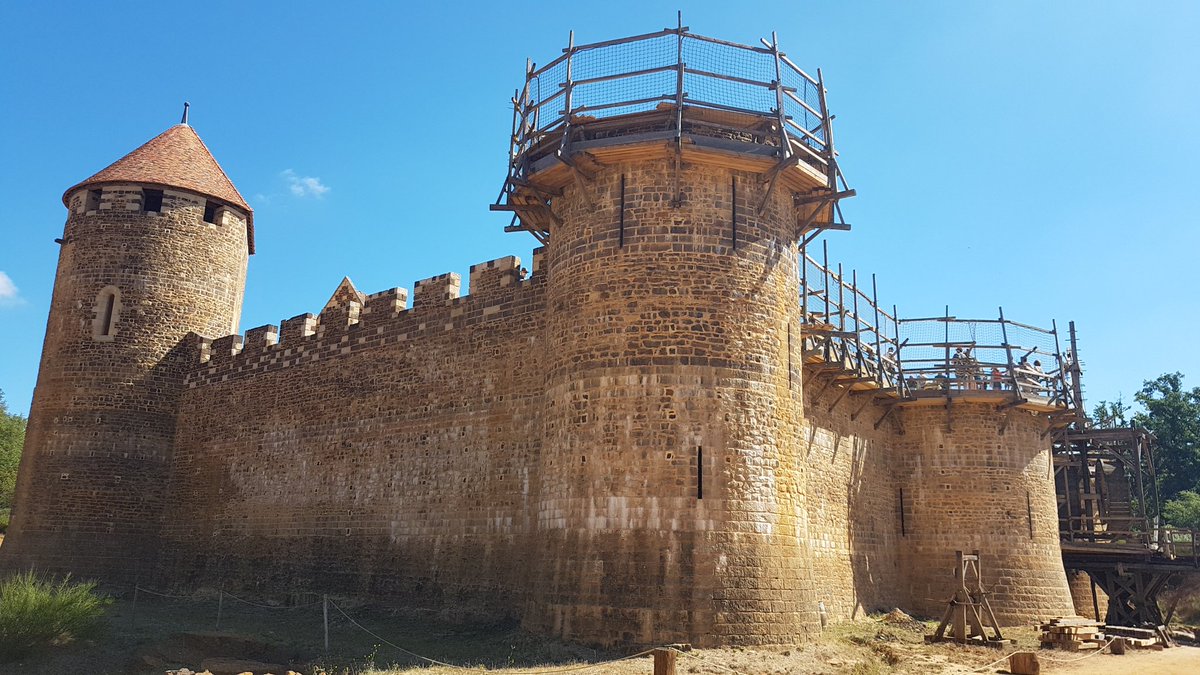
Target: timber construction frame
1109, 520
859, 344
676, 93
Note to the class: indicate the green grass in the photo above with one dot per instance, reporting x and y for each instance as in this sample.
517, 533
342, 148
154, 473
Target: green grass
4, 516
38, 613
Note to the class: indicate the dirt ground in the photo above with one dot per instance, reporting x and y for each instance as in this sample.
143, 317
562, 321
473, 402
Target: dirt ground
138, 640
1179, 661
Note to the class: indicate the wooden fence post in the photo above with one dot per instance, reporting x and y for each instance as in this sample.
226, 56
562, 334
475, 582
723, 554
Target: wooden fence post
664, 662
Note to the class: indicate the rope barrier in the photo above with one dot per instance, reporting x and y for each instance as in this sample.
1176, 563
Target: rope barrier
1047, 658
257, 604
228, 595
565, 669
705, 661
164, 595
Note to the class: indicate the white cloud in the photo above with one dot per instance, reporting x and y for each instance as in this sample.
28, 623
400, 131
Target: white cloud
305, 186
9, 294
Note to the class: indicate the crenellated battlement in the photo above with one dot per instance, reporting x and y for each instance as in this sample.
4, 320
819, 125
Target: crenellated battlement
152, 200
352, 321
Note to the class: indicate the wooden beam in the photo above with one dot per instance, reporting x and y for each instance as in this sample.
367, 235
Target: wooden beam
809, 199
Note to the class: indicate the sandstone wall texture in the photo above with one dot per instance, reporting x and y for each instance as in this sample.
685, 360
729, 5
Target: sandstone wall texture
616, 450
370, 450
98, 446
853, 509
672, 479
972, 487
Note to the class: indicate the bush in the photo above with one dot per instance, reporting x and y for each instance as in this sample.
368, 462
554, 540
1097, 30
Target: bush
37, 613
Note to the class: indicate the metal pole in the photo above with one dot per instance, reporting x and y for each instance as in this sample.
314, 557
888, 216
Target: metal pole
1012, 371
567, 86
858, 357
878, 340
901, 385
831, 169
1062, 373
677, 198
785, 147
1076, 374
946, 334
803, 284
827, 348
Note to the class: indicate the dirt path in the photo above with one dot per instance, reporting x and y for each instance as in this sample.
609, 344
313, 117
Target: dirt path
1175, 661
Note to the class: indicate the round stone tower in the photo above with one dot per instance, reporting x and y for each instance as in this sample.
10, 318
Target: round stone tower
155, 246
983, 484
671, 501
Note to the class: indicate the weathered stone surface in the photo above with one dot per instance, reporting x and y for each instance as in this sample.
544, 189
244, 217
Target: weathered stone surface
618, 449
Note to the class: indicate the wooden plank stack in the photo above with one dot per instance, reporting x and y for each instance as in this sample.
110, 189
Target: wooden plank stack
1140, 638
1076, 633
1073, 634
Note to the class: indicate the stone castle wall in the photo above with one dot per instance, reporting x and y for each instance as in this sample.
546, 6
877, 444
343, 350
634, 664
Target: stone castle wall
372, 450
620, 449
98, 445
853, 514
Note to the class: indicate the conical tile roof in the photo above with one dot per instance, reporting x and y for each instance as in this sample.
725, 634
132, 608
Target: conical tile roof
175, 158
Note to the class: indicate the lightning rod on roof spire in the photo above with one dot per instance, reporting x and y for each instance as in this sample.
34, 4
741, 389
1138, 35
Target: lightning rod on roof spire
186, 105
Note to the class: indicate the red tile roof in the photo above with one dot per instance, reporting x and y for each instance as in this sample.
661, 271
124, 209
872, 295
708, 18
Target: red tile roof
175, 158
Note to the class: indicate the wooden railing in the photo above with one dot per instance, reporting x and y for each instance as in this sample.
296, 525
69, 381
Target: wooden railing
934, 356
766, 99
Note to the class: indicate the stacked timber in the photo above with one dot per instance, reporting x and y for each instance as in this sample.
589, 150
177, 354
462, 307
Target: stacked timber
1073, 634
1140, 638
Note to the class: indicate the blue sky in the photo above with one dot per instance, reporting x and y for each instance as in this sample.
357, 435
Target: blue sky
1035, 155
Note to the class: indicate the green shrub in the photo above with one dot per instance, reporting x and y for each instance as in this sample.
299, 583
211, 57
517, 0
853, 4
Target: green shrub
4, 516
37, 613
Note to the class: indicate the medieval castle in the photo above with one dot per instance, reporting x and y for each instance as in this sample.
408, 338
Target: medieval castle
677, 427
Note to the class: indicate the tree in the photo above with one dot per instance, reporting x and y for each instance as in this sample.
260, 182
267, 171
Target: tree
1183, 511
1111, 414
1173, 414
12, 439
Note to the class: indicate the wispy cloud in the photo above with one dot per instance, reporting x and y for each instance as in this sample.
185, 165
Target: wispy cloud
10, 295
305, 186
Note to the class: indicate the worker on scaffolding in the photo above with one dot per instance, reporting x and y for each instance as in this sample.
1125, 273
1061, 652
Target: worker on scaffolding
962, 369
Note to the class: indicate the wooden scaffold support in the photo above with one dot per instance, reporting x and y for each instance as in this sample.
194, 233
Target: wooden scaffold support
968, 612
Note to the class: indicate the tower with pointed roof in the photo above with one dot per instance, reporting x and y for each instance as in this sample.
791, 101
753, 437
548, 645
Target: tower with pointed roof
154, 248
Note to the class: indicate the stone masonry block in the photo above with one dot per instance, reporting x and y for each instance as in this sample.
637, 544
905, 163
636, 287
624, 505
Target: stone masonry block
488, 277
389, 302
297, 328
224, 348
436, 290
263, 336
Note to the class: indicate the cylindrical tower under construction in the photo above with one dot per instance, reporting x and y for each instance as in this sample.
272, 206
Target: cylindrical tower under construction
155, 246
672, 503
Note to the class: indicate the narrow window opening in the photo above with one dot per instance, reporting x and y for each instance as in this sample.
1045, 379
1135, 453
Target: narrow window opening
152, 200
621, 222
109, 304
210, 211
93, 200
733, 211
699, 472
1029, 512
789, 354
